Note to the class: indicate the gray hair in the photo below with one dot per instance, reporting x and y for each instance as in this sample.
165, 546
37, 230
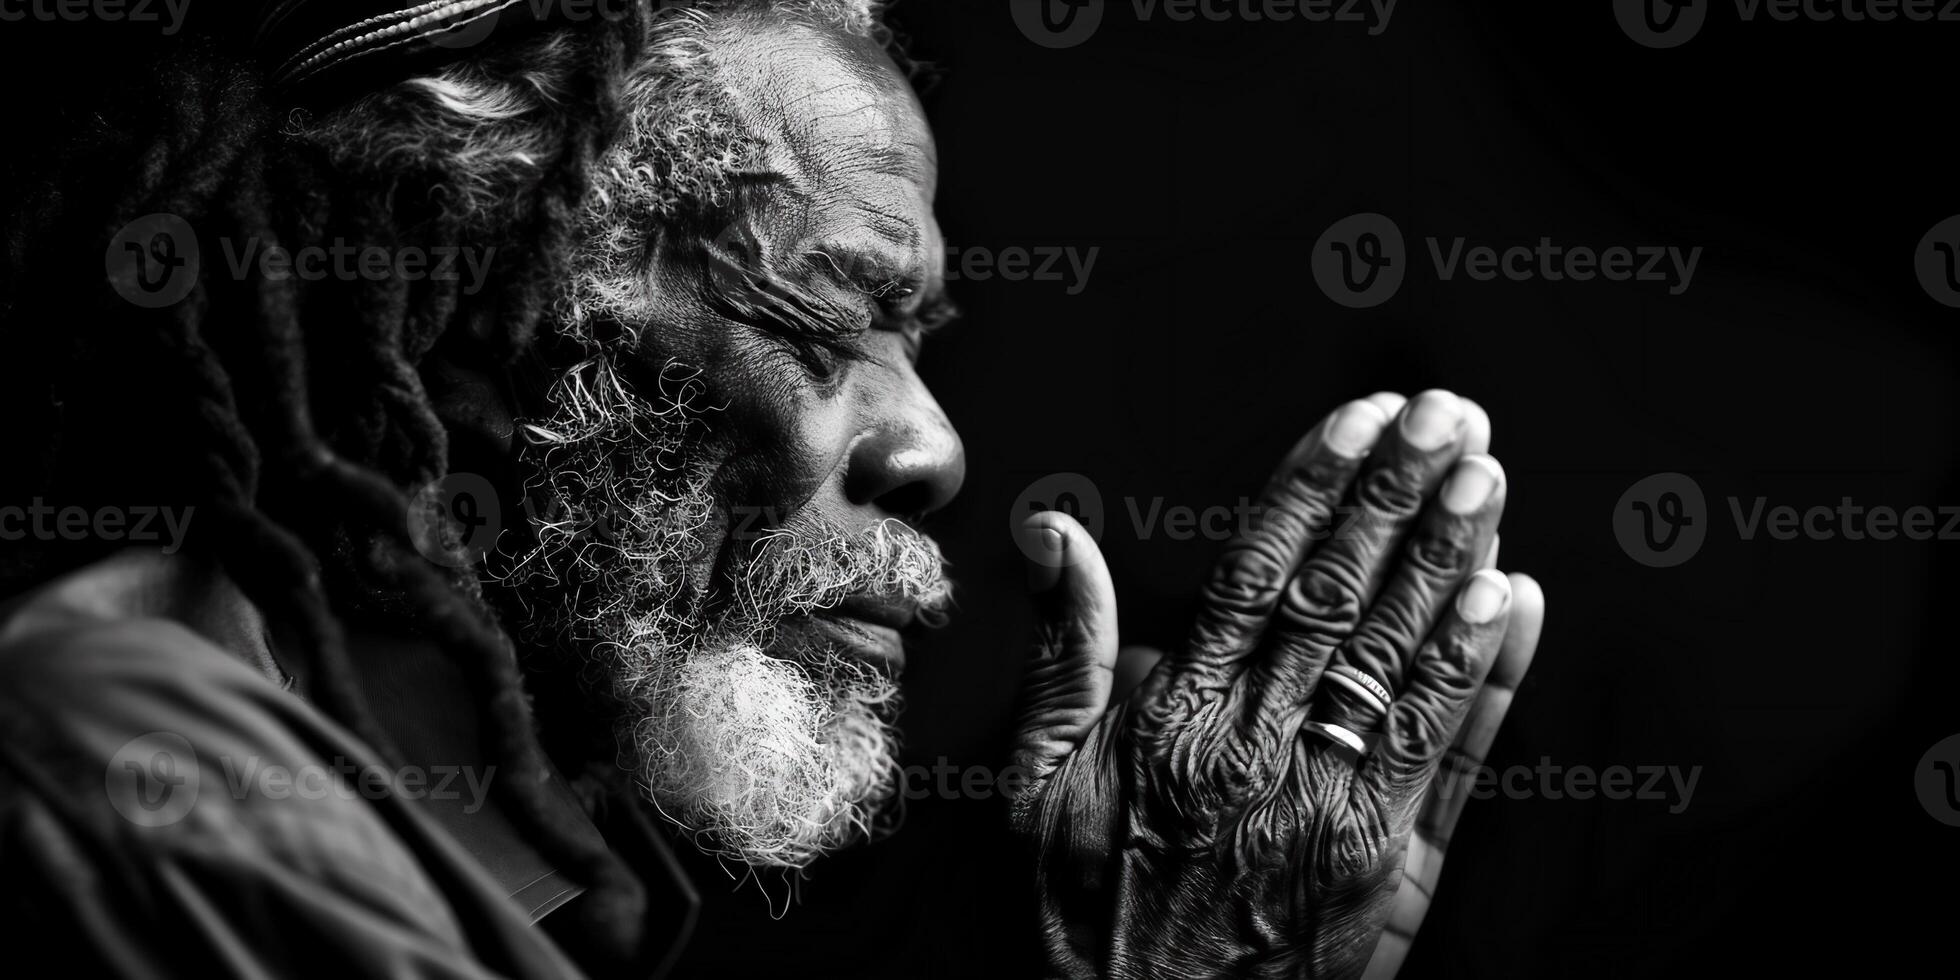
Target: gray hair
492, 118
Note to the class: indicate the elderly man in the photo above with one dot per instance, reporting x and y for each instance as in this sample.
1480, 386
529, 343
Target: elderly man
687, 371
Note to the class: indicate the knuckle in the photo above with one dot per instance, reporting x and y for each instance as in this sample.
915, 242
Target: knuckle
1442, 549
1246, 580
1319, 600
1392, 490
1453, 659
1377, 648
1309, 488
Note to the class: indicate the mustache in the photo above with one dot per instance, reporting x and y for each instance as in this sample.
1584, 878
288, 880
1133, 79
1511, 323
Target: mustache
814, 563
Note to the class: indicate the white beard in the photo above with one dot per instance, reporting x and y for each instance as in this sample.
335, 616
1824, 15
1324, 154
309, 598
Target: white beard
777, 767
770, 760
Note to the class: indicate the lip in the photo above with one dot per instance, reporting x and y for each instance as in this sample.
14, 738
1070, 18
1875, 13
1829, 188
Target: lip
892, 613
875, 642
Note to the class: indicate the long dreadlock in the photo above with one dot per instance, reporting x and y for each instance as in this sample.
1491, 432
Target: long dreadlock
293, 443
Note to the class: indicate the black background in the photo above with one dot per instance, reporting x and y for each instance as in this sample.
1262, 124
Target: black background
1804, 364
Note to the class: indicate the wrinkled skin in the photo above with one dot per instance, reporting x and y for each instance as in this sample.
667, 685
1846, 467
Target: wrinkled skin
847, 166
1146, 815
1194, 829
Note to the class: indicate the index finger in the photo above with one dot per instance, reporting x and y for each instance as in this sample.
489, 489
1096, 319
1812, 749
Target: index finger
1296, 508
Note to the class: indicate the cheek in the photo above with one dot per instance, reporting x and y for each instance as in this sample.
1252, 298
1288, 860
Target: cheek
784, 436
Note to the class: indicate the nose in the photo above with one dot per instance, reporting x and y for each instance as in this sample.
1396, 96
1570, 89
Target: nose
910, 461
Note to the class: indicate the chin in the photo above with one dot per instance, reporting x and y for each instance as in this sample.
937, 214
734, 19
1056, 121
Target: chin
769, 758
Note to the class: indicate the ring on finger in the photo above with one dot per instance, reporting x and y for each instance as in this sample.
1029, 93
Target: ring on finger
1363, 685
1338, 735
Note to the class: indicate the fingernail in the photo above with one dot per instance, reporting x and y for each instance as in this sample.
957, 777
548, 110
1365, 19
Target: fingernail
1355, 429
1471, 484
1431, 421
1052, 541
1483, 597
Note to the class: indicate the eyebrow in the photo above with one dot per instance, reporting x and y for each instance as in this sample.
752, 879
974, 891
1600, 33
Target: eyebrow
876, 274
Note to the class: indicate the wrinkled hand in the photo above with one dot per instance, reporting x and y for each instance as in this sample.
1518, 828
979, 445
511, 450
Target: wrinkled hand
1198, 828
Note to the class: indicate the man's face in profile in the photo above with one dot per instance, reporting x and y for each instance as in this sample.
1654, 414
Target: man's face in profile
748, 434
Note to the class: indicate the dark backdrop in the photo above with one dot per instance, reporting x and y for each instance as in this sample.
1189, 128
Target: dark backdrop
1804, 364
1203, 160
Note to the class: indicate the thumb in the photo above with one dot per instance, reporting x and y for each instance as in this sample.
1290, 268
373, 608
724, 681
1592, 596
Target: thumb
1067, 685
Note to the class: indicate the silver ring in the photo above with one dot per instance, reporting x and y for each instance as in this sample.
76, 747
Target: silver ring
1339, 736
1361, 683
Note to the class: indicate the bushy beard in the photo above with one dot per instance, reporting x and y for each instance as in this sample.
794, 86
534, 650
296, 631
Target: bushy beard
766, 750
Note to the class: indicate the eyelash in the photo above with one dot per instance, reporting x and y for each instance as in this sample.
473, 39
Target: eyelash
820, 355
822, 349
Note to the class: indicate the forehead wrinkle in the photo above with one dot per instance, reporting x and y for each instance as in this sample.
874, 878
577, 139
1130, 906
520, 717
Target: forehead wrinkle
774, 77
839, 135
